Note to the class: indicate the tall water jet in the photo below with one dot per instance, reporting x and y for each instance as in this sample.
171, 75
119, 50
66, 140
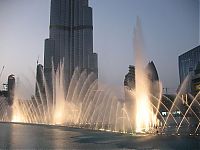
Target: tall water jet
143, 109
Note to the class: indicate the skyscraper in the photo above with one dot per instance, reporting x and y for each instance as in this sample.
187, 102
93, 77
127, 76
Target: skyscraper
129, 80
71, 40
11, 89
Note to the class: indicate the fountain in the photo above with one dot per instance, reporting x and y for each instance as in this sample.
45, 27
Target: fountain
89, 104
85, 105
144, 111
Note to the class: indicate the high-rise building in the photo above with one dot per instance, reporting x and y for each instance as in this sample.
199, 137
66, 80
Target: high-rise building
11, 89
40, 85
129, 80
188, 62
70, 41
151, 74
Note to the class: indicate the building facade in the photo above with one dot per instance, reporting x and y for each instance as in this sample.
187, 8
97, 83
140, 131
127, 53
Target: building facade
71, 40
188, 62
40, 92
129, 80
151, 74
195, 81
11, 89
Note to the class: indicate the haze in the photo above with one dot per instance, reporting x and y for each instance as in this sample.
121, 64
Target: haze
170, 28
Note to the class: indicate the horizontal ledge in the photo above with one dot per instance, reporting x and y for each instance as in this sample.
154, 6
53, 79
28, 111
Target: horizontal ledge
68, 28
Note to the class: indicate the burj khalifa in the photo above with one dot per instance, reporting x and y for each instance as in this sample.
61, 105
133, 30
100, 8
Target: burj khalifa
70, 40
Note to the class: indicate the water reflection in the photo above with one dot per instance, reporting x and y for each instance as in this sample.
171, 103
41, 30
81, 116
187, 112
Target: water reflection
5, 136
17, 136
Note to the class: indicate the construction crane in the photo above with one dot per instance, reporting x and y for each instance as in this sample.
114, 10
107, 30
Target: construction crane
38, 60
1, 72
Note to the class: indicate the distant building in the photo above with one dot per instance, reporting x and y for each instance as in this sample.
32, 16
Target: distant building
8, 91
188, 62
40, 85
152, 72
129, 80
195, 81
11, 89
4, 93
154, 84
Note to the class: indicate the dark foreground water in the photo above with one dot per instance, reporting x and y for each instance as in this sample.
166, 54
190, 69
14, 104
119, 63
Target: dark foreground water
16, 136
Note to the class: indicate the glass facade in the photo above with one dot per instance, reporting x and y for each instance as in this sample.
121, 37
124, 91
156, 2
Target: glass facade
188, 62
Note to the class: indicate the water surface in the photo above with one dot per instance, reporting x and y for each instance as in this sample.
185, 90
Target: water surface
17, 136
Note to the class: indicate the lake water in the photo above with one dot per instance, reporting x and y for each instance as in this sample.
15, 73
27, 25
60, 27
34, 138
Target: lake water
17, 136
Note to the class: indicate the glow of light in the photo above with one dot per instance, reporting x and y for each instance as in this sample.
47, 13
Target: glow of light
16, 118
164, 113
142, 114
58, 117
102, 129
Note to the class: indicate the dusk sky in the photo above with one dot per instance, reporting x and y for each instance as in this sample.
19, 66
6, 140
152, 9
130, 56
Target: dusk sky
170, 28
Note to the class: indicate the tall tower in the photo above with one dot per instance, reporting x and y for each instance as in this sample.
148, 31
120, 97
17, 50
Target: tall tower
71, 39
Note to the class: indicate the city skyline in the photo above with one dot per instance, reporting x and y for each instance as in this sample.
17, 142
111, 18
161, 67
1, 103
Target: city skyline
100, 74
116, 51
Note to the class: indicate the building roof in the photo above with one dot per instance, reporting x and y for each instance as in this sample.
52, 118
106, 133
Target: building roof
152, 72
190, 51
